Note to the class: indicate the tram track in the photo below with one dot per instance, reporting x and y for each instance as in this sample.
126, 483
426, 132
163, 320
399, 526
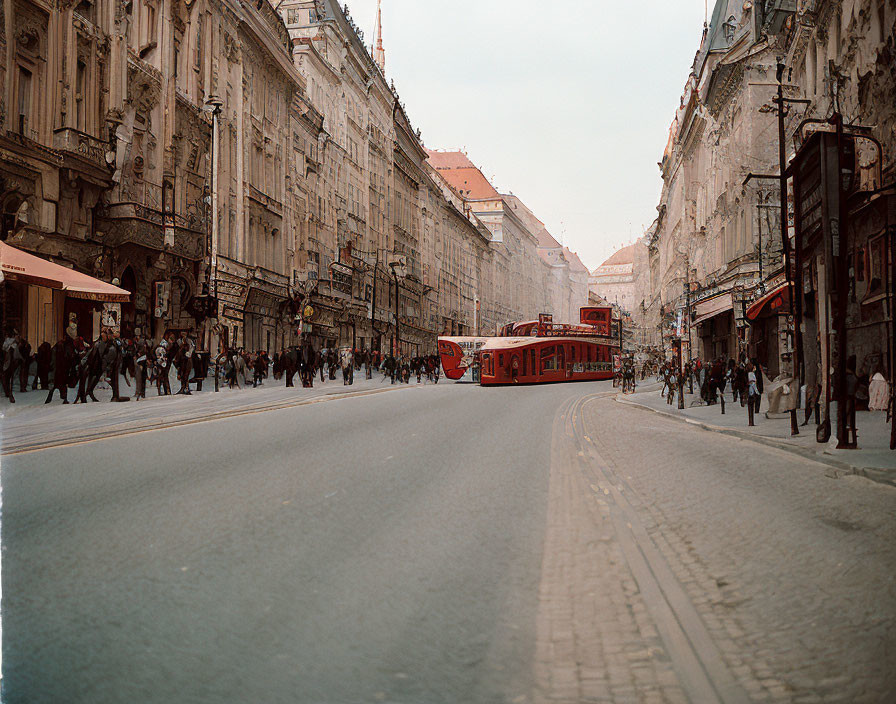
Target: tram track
697, 660
10, 447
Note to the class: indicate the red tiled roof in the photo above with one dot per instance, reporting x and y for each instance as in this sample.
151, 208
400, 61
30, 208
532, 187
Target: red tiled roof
469, 184
462, 175
449, 160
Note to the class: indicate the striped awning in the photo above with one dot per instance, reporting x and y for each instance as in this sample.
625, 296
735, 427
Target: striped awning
713, 307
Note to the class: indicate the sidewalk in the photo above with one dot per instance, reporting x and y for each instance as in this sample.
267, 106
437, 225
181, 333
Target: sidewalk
873, 459
30, 424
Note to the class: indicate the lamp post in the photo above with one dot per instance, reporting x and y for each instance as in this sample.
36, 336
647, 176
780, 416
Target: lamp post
373, 327
213, 105
396, 338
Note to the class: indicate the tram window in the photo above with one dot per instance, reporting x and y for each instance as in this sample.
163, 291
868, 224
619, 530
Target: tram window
548, 358
525, 359
561, 354
532, 361
500, 360
572, 354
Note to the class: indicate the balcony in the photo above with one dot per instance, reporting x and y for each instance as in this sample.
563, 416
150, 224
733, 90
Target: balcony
72, 141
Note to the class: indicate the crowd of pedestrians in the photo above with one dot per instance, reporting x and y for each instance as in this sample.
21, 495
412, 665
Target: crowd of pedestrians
743, 377
78, 365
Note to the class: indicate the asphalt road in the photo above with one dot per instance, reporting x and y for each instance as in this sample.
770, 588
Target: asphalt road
443, 544
382, 548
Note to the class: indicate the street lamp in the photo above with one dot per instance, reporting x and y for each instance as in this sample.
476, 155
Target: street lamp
396, 338
213, 105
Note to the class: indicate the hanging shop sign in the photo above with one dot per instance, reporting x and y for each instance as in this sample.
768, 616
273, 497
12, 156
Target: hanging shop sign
341, 276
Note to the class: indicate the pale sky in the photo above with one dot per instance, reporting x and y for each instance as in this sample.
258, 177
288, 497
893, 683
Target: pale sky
567, 104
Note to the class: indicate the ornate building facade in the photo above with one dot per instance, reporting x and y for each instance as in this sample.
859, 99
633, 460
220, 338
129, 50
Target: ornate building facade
246, 163
716, 246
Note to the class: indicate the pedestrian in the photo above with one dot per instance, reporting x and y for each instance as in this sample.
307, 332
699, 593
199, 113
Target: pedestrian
752, 392
259, 367
63, 356
672, 381
44, 358
141, 357
739, 384
348, 366
760, 385
878, 391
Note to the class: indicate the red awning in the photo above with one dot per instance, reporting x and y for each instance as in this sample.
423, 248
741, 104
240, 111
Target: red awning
775, 301
21, 266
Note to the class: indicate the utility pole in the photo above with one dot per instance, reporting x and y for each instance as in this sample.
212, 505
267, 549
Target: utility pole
376, 266
687, 294
396, 340
841, 287
797, 356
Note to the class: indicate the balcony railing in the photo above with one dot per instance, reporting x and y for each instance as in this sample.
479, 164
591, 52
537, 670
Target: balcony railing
68, 139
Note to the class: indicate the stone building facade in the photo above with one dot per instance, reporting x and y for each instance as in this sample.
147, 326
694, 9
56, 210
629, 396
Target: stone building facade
246, 163
623, 281
530, 271
716, 246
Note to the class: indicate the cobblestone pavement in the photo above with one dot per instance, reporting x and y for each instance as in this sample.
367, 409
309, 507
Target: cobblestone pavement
682, 565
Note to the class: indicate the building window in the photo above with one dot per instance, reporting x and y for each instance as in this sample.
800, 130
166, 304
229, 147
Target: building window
80, 96
24, 102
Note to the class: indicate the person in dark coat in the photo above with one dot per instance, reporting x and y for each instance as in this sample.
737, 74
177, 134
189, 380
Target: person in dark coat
739, 384
259, 367
331, 364
25, 366
716, 380
44, 359
62, 357
141, 360
389, 367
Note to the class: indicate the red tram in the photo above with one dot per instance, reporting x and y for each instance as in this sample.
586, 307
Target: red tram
535, 352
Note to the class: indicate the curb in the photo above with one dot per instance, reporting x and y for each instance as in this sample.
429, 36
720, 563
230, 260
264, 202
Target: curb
123, 431
874, 474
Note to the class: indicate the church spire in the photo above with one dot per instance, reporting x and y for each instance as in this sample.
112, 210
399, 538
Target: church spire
379, 53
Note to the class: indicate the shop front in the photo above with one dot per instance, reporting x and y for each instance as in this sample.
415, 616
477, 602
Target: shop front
771, 337
713, 326
44, 301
